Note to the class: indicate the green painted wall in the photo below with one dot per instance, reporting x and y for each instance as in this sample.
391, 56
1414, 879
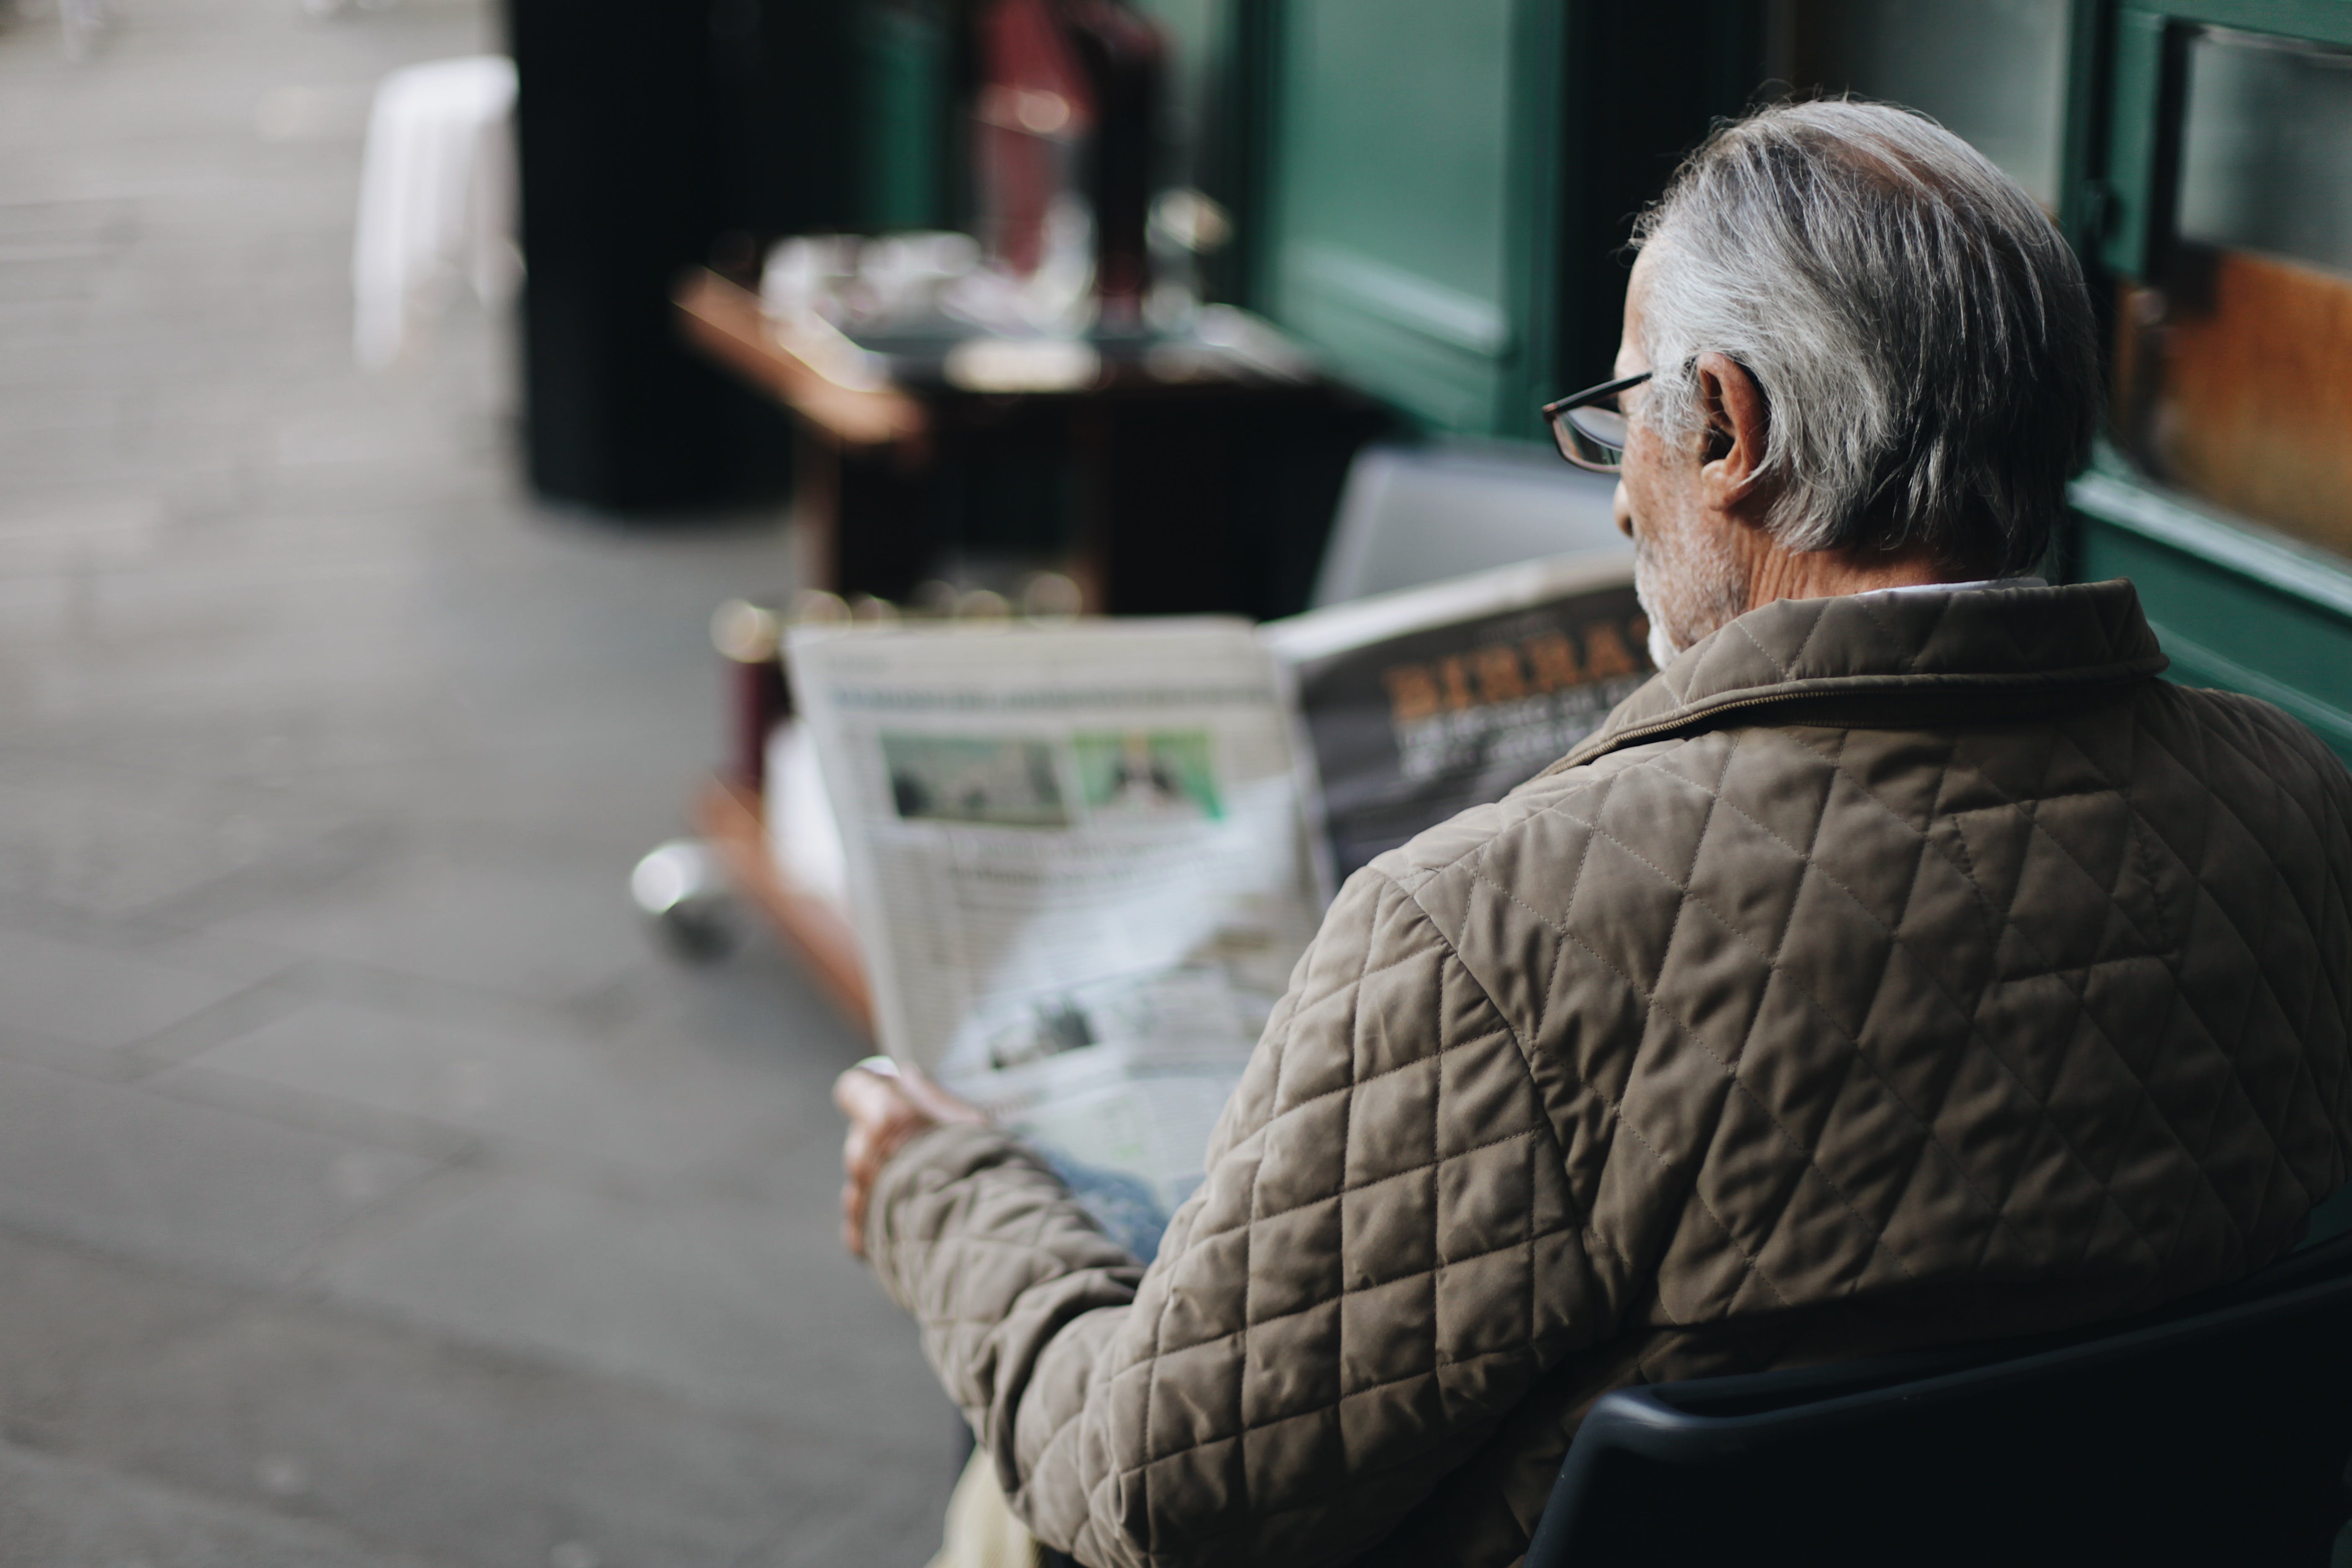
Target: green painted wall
1449, 188
1388, 218
2236, 606
905, 53
2225, 629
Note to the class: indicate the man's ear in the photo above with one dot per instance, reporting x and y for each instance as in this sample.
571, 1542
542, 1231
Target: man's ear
1739, 423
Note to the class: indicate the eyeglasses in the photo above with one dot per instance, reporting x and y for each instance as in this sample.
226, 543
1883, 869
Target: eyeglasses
1588, 426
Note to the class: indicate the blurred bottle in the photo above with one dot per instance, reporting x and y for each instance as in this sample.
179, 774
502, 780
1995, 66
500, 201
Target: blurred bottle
1124, 57
1066, 135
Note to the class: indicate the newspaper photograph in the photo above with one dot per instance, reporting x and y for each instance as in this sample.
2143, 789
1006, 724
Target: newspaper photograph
1422, 703
1078, 862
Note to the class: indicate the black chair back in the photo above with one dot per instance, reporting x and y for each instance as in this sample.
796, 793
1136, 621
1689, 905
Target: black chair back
2213, 1435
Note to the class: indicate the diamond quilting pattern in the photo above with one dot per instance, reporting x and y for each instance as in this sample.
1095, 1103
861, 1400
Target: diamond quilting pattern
1744, 1036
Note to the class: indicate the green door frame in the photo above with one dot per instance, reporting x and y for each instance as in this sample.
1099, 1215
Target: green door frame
1599, 101
2236, 604
1466, 363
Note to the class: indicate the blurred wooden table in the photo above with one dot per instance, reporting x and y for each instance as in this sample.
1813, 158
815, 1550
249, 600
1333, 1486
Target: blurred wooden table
1181, 477
725, 321
1197, 481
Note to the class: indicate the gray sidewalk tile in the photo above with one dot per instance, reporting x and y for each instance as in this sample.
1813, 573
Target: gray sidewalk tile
118, 1166
735, 1305
530, 927
540, 1086
59, 1514
404, 1438
98, 996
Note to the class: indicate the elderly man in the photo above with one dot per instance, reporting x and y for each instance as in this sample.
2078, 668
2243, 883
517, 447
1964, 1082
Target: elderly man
1905, 963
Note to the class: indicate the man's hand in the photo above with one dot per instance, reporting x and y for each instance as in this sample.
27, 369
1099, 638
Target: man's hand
886, 1105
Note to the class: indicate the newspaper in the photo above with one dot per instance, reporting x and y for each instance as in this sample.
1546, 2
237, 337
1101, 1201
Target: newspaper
1084, 860
1079, 863
1420, 704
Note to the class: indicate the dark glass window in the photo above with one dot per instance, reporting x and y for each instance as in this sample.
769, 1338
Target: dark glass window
2233, 362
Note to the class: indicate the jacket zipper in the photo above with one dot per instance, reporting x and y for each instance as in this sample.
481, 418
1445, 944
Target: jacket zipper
1661, 726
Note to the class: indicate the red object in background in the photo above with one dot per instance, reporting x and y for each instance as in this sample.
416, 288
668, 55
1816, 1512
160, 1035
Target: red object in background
1069, 104
1035, 107
761, 701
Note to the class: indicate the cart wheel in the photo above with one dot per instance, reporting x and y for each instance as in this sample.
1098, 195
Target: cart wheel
684, 894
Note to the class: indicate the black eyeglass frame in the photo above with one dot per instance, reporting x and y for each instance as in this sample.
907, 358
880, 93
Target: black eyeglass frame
1566, 429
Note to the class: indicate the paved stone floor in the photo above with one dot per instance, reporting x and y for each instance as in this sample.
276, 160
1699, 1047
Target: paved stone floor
371, 1190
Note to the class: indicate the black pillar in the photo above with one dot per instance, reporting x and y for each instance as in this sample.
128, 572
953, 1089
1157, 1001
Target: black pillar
648, 142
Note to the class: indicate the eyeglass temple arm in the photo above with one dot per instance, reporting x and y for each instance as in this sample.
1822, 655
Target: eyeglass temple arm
1594, 394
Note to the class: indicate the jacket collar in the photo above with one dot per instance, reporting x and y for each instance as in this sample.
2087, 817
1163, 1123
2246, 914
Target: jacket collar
1959, 640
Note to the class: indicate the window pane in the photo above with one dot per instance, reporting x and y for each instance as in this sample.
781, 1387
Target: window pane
2266, 154
1391, 208
2233, 362
1993, 71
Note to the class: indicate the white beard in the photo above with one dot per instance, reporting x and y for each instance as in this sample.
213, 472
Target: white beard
1689, 592
1664, 649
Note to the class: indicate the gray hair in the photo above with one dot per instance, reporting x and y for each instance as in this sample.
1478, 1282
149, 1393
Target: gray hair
1920, 330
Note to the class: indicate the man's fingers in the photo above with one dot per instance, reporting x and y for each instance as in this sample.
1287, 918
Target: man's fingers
934, 1102
884, 1112
865, 1150
852, 1218
865, 1095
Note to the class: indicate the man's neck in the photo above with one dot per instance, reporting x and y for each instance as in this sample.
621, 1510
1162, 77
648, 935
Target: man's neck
1776, 574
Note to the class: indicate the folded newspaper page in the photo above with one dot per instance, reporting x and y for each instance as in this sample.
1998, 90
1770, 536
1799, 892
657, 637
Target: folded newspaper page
1078, 860
1083, 860
1422, 703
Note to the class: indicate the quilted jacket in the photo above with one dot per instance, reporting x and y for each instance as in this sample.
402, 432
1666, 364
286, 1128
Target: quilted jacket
1891, 968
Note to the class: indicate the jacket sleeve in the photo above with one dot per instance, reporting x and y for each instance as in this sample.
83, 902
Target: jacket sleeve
1384, 1257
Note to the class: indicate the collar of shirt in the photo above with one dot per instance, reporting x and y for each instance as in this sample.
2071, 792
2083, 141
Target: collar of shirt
1962, 587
